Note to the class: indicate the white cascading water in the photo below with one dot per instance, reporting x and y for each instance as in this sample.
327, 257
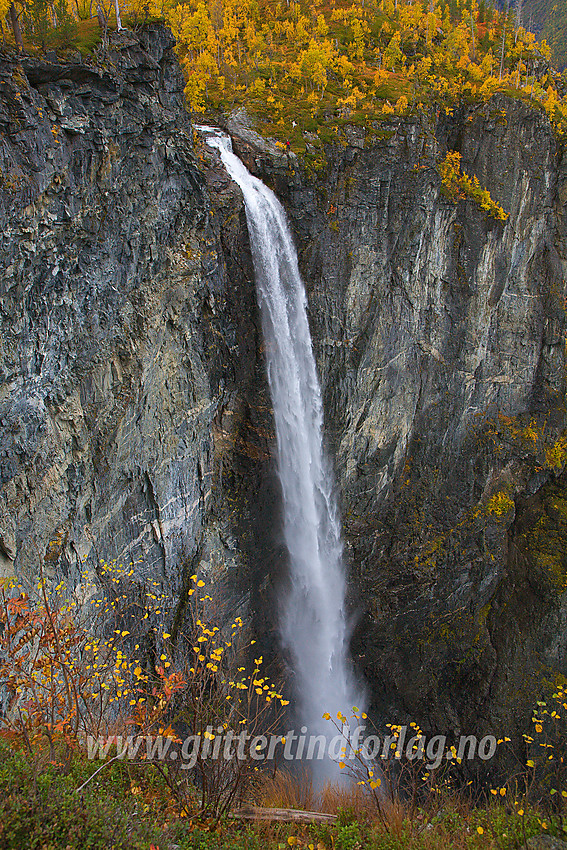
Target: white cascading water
313, 623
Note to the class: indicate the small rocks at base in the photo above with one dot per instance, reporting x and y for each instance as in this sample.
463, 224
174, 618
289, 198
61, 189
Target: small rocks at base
545, 842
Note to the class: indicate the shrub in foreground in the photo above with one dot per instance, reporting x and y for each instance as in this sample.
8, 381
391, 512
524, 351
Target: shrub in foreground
40, 807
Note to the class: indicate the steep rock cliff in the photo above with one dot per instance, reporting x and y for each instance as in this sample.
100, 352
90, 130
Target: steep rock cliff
134, 415
440, 338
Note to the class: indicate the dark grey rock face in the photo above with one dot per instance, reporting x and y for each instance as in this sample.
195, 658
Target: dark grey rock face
129, 362
440, 342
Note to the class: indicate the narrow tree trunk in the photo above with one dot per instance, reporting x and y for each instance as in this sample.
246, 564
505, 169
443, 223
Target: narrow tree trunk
103, 24
518, 21
16, 28
503, 42
117, 10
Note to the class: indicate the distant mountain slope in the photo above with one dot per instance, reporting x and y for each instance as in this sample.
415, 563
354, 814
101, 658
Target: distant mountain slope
548, 20
555, 30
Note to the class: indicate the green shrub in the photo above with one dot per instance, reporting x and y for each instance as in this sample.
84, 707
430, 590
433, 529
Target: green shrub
40, 808
348, 837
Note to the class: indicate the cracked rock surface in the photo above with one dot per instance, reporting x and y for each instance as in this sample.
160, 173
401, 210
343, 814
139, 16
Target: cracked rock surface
440, 340
133, 407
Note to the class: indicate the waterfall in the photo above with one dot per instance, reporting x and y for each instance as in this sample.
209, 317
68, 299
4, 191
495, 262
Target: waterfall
313, 624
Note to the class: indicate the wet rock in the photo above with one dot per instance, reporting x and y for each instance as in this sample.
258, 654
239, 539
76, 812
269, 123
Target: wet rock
135, 418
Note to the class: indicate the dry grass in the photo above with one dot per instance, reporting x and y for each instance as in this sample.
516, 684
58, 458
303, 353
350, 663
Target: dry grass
397, 825
286, 790
348, 797
294, 790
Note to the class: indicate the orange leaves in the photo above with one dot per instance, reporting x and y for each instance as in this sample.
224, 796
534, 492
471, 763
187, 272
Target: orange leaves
70, 674
61, 677
36, 669
18, 605
170, 684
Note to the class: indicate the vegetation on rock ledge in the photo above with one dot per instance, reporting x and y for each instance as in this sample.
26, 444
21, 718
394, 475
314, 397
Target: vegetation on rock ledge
461, 185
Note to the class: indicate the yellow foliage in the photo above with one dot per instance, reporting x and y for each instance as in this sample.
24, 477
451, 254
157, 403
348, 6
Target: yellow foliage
279, 53
458, 185
556, 455
499, 504
401, 105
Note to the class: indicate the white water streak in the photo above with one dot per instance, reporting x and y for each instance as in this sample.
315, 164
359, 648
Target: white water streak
313, 625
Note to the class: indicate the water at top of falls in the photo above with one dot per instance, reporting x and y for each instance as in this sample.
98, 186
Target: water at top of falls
313, 624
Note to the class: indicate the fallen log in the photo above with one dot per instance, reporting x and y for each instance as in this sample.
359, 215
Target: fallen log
255, 813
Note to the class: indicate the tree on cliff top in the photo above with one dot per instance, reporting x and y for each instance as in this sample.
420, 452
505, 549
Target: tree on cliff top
38, 19
322, 65
7, 8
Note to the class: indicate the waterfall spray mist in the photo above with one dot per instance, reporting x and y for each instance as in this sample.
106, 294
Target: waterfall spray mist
313, 624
